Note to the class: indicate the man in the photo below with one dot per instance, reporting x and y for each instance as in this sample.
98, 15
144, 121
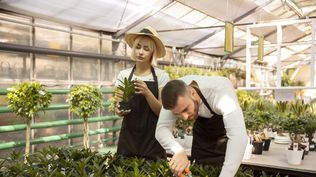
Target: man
219, 133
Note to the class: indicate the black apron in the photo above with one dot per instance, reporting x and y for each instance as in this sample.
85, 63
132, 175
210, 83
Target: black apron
209, 138
137, 135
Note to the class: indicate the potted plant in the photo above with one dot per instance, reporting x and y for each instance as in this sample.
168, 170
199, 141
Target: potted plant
26, 100
252, 124
310, 128
294, 125
279, 117
84, 101
124, 93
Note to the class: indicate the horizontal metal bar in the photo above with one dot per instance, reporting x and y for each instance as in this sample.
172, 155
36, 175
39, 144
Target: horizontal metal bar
41, 50
57, 29
5, 109
4, 91
58, 123
47, 139
95, 142
277, 88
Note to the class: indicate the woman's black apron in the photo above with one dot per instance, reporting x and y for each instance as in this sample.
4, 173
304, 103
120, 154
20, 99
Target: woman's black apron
209, 138
137, 135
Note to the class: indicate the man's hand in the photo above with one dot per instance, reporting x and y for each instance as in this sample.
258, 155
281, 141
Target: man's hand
179, 162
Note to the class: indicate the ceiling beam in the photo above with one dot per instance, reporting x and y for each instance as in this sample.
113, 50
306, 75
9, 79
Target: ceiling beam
188, 47
138, 21
240, 49
254, 10
294, 8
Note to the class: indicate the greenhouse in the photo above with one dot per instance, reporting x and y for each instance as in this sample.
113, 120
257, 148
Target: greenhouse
136, 88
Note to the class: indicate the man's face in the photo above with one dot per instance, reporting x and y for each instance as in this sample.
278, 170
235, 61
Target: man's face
187, 107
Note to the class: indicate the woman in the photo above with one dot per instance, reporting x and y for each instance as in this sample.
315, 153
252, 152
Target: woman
137, 136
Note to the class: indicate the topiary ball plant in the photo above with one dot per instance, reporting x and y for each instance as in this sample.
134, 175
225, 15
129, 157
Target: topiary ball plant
84, 101
26, 100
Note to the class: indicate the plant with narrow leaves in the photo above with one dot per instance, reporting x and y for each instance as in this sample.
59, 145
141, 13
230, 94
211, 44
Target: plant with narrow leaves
26, 100
127, 88
84, 101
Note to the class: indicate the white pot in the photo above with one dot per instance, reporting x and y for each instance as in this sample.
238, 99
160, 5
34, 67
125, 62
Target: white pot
248, 152
282, 139
294, 157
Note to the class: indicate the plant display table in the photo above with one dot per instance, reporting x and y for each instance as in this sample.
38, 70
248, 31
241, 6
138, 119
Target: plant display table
275, 160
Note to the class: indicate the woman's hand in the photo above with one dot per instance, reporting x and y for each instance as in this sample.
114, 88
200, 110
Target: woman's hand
141, 88
118, 98
121, 112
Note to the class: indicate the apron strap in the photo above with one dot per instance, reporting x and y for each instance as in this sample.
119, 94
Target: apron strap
132, 73
154, 76
204, 100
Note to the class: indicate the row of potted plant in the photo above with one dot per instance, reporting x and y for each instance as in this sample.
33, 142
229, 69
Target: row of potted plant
62, 162
296, 118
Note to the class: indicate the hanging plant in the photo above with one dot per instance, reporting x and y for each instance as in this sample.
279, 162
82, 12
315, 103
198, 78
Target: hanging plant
26, 100
84, 101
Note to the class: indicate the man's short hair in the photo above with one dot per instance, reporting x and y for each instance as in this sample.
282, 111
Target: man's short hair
171, 92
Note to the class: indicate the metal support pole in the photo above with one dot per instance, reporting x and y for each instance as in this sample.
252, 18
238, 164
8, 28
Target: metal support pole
248, 58
313, 54
279, 64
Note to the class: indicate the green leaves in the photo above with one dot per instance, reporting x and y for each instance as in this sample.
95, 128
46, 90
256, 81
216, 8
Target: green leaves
128, 89
62, 162
28, 98
84, 100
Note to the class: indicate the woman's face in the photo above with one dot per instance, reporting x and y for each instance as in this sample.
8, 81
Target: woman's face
142, 51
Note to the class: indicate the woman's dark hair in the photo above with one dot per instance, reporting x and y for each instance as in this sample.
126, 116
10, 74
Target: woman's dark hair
171, 92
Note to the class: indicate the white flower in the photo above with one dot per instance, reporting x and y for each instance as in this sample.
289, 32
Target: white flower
41, 92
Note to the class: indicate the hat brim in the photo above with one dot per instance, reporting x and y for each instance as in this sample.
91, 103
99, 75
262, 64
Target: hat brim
130, 38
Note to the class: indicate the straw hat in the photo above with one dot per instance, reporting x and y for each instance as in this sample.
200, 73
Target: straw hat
150, 32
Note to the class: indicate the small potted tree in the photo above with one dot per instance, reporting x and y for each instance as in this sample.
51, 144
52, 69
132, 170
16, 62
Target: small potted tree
309, 129
294, 125
84, 101
252, 124
26, 100
279, 117
124, 92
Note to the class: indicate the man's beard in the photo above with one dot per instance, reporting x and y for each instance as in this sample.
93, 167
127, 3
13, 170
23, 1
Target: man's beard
196, 108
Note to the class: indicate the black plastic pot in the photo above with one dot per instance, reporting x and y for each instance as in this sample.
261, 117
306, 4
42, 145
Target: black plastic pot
257, 147
124, 105
266, 144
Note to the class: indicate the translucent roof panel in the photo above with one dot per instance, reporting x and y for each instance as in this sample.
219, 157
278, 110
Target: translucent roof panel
177, 10
307, 6
226, 10
214, 41
213, 51
97, 14
174, 29
177, 38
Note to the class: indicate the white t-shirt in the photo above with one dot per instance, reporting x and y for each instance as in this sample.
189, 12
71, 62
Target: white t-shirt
162, 77
220, 95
